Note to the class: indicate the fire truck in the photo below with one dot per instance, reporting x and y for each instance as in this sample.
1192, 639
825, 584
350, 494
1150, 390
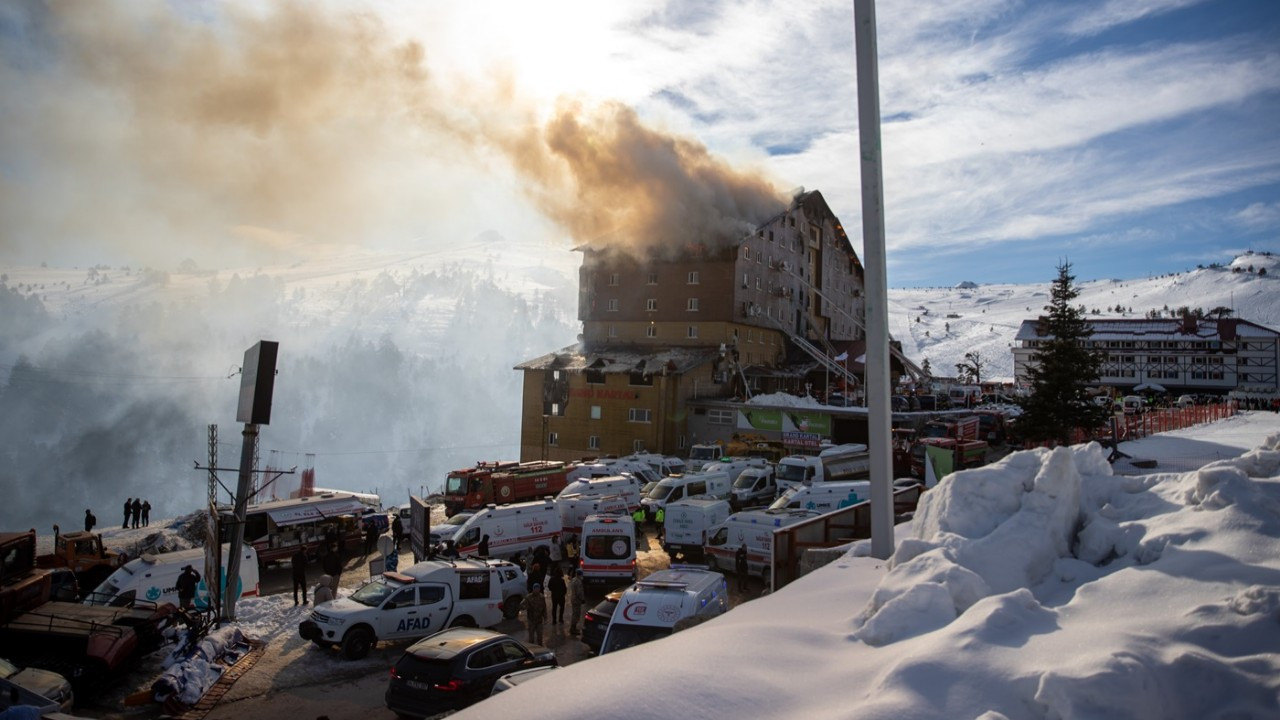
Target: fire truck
963, 454
502, 482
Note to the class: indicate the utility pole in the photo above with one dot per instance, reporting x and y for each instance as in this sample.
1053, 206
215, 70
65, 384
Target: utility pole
877, 308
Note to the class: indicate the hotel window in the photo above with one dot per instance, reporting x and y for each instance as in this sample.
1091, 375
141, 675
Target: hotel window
691, 305
745, 282
681, 443
653, 278
637, 446
613, 331
553, 439
651, 304
693, 277
721, 417
693, 332
613, 278
639, 415
651, 332
595, 412
593, 442
746, 252
613, 305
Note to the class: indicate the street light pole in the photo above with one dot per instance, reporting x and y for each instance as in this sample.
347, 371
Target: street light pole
877, 364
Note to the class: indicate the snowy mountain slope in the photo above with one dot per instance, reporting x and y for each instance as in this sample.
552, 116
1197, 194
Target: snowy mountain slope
942, 324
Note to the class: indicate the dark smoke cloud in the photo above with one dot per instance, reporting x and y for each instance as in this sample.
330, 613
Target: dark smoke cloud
155, 134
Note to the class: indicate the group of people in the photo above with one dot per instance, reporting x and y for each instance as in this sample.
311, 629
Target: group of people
544, 567
136, 512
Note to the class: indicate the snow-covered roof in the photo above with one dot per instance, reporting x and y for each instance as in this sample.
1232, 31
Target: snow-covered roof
1168, 329
623, 359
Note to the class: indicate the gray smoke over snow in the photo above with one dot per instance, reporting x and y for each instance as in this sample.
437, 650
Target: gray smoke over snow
150, 133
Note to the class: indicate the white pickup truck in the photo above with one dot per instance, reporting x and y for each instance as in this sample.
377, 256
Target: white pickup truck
418, 601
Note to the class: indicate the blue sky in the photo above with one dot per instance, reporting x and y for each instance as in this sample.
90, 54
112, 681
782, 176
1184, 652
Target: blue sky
1133, 137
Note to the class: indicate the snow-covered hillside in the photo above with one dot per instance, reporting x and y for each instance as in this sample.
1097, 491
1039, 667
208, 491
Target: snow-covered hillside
394, 368
942, 324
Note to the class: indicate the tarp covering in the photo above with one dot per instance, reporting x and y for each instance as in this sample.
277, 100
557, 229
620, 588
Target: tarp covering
317, 510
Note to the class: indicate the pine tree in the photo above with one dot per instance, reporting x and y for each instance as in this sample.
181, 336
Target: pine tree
1063, 369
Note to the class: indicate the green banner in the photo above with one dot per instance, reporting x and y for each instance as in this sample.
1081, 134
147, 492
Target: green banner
760, 420
788, 421
943, 460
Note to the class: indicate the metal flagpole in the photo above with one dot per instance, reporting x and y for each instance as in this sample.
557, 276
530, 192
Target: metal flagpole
877, 364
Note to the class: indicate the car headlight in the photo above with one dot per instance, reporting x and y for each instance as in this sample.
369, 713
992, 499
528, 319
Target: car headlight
322, 619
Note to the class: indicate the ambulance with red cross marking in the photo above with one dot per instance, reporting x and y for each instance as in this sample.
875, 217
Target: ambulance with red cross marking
608, 549
650, 609
515, 528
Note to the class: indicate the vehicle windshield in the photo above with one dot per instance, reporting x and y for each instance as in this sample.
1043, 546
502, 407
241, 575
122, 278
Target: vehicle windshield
791, 473
745, 481
660, 491
675, 468
934, 431
375, 591
625, 636
454, 486
705, 453
644, 491
7, 668
784, 499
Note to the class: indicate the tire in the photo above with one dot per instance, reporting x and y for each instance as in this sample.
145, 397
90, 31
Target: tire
511, 607
463, 621
357, 643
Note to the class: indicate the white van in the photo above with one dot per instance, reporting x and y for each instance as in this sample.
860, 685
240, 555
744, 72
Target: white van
626, 486
754, 529
154, 578
688, 524
678, 487
608, 549
650, 609
823, 497
834, 464
664, 465
734, 466
515, 528
449, 528
755, 486
574, 509
608, 467
423, 599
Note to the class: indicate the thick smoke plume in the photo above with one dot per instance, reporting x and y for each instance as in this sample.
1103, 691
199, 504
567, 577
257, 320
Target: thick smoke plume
162, 134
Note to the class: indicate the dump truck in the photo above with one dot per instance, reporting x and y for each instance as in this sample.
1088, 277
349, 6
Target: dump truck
83, 554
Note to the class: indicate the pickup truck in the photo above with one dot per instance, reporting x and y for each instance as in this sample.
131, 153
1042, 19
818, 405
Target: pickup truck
418, 601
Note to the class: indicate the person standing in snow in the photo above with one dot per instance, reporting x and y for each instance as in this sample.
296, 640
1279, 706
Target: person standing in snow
332, 566
740, 566
146, 513
576, 596
128, 510
323, 592
535, 612
137, 511
186, 585
89, 521
397, 530
558, 588
298, 564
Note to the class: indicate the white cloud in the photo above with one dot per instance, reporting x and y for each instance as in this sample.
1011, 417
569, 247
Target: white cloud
1258, 216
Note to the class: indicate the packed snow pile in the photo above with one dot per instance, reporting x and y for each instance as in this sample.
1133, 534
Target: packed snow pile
781, 399
1042, 586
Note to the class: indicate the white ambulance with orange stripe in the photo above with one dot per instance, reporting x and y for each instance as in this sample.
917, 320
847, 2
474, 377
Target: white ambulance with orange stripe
516, 528
608, 549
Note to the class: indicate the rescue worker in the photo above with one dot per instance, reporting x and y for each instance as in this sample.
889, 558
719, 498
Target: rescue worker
370, 538
128, 510
298, 564
558, 588
137, 511
535, 575
484, 546
535, 612
740, 567
571, 551
186, 585
89, 520
659, 518
576, 596
554, 553
146, 513
332, 564
323, 592
638, 516
397, 530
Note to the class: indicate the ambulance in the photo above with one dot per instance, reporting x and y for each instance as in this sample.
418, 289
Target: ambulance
514, 528
626, 486
678, 487
754, 529
154, 578
688, 524
608, 549
573, 509
651, 608
823, 497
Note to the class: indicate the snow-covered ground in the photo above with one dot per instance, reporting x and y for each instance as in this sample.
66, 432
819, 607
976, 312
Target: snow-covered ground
1043, 586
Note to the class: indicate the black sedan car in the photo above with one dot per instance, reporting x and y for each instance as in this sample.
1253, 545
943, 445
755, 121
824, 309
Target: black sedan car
596, 621
455, 668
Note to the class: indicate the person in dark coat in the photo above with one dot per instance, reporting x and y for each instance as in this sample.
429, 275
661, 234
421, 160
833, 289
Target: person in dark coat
537, 571
128, 510
397, 530
298, 564
89, 521
558, 589
146, 513
137, 511
740, 566
535, 612
332, 566
484, 547
370, 538
186, 585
